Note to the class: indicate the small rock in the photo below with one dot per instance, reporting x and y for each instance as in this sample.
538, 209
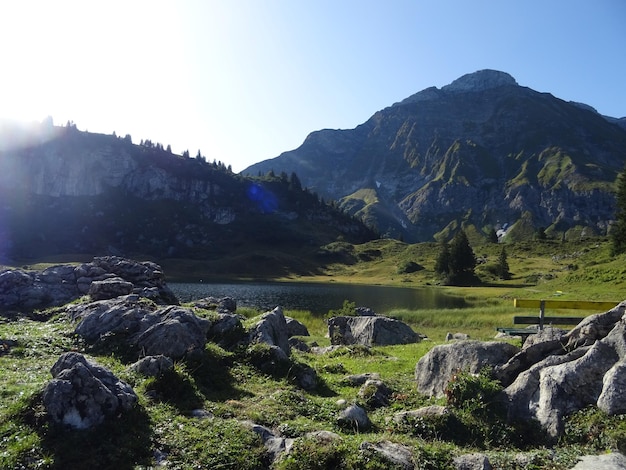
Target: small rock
457, 337
472, 462
360, 379
296, 328
614, 461
152, 366
375, 393
354, 417
427, 411
110, 288
298, 344
395, 454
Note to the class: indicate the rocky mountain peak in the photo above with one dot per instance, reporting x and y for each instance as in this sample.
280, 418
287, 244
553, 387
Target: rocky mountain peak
479, 81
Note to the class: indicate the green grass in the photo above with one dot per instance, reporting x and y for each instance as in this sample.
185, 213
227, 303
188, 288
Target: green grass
232, 389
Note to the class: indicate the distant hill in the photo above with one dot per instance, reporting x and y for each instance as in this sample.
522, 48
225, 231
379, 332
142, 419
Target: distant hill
482, 152
70, 192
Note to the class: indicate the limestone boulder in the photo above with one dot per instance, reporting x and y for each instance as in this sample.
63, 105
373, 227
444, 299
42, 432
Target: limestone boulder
171, 331
435, 369
120, 316
82, 394
271, 329
28, 290
370, 331
424, 412
221, 305
612, 461
177, 333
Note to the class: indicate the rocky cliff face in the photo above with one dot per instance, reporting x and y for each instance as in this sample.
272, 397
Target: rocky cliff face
66, 191
482, 151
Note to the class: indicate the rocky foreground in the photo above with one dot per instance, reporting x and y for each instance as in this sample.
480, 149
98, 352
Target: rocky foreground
115, 301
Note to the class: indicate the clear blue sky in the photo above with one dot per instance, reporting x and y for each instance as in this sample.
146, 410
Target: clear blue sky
245, 80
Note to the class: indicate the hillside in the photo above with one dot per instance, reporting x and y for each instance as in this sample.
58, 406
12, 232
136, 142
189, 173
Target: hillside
482, 152
79, 194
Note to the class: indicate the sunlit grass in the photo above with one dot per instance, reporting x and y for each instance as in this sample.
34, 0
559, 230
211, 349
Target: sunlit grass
232, 389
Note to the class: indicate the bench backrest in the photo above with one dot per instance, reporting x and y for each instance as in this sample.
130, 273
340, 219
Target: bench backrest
553, 303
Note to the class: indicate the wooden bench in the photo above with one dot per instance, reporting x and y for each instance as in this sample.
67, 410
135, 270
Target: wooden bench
542, 320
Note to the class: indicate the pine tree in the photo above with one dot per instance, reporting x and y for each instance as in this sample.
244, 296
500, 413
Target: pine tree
462, 258
618, 231
503, 266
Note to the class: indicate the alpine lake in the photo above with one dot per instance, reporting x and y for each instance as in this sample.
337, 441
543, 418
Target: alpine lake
320, 298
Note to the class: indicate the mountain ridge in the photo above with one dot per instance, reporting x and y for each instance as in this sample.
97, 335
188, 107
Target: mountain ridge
482, 151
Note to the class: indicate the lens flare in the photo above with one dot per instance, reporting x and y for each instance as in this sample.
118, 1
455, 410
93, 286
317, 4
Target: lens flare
265, 201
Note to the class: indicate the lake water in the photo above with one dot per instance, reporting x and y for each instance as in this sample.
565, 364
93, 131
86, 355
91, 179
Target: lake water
320, 298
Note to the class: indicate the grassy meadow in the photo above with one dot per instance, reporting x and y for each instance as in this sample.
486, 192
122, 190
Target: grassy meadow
231, 389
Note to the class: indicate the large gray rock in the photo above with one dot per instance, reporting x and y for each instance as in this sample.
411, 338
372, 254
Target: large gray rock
176, 334
370, 331
122, 315
435, 369
612, 399
271, 329
57, 285
222, 305
82, 393
171, 331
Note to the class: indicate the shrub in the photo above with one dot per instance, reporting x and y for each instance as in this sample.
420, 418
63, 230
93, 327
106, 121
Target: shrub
408, 267
348, 309
472, 391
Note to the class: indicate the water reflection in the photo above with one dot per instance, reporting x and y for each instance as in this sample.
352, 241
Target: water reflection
320, 298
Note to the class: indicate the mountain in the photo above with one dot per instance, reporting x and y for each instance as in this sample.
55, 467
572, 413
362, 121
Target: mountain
482, 152
64, 191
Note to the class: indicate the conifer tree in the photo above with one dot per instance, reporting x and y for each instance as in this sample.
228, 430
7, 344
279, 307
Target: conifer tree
462, 258
503, 265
